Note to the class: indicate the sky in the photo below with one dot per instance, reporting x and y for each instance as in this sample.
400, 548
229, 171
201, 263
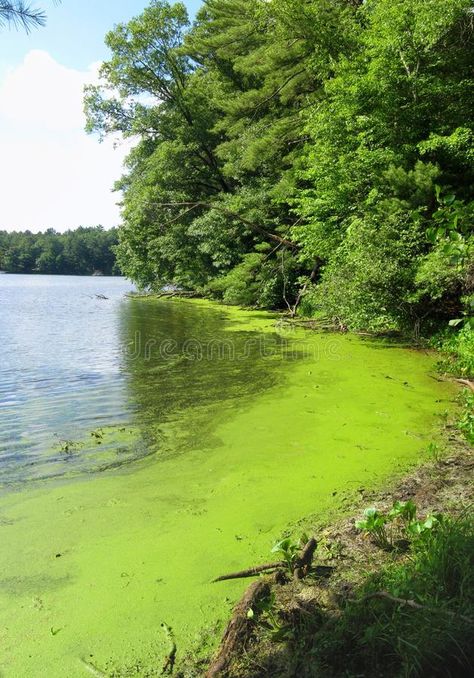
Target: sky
52, 174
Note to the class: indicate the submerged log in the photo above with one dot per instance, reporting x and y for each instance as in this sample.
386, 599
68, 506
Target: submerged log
238, 629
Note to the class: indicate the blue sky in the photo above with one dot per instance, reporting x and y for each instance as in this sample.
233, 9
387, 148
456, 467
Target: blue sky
51, 173
74, 34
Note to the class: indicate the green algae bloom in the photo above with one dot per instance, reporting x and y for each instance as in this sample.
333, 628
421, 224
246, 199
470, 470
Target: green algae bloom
246, 429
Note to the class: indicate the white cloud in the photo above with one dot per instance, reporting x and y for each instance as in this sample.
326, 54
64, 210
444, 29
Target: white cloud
52, 174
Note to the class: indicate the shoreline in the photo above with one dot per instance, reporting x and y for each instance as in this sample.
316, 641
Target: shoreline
345, 558
302, 427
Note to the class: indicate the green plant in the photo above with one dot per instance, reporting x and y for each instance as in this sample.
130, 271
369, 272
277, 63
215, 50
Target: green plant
401, 520
288, 550
68, 446
268, 617
412, 619
405, 510
374, 523
434, 451
457, 349
466, 421
418, 528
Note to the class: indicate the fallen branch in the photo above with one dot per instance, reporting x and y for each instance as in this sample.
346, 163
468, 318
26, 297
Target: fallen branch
250, 572
413, 604
176, 293
238, 629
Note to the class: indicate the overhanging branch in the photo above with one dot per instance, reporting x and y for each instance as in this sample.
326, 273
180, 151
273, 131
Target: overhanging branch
229, 213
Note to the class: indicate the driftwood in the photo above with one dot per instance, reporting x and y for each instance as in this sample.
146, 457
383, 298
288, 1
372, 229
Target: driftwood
303, 562
413, 604
250, 572
238, 629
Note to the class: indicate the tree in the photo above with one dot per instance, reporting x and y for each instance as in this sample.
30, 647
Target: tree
288, 144
79, 252
21, 14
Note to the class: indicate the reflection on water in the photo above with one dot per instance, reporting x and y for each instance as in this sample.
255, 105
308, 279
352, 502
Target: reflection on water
88, 383
187, 372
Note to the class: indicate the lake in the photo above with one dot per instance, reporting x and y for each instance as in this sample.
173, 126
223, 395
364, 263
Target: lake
147, 446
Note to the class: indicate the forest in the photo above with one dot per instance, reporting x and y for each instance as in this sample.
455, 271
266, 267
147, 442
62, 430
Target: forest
83, 251
315, 154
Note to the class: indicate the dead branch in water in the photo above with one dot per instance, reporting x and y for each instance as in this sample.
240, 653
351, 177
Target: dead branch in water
93, 670
169, 294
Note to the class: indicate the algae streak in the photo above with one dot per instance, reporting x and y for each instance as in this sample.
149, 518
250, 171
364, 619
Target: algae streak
242, 443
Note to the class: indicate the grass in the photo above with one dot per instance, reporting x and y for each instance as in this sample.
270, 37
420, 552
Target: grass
376, 636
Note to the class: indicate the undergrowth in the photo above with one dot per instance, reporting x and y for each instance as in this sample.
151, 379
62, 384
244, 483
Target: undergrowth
412, 618
377, 636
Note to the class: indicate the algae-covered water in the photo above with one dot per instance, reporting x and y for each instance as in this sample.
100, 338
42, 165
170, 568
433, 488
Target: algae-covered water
174, 442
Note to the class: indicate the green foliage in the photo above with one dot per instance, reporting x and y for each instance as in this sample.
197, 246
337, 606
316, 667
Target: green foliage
457, 349
20, 14
273, 136
376, 635
400, 522
389, 140
79, 252
288, 550
466, 421
268, 618
257, 281
374, 523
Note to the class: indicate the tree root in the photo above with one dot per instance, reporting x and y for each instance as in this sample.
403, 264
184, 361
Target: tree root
303, 563
466, 382
250, 572
238, 629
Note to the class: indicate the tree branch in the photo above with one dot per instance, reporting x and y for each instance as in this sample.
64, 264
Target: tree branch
233, 215
413, 604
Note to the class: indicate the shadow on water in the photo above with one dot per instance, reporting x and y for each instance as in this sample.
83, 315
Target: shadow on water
187, 372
